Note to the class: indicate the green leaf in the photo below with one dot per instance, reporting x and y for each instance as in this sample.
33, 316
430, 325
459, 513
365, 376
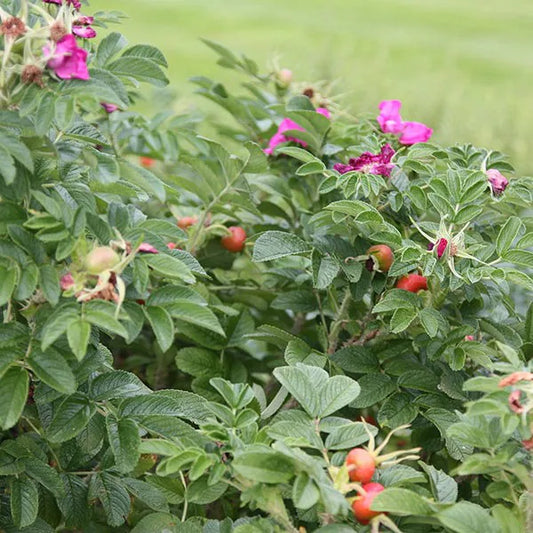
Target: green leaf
57, 324
45, 475
49, 281
162, 324
117, 384
508, 234
113, 496
263, 465
13, 394
139, 68
276, 244
51, 368
74, 503
402, 318
24, 501
147, 52
124, 440
315, 391
401, 502
8, 280
397, 410
467, 517
169, 403
102, 315
110, 46
70, 418
325, 270
159, 522
198, 362
519, 257
148, 494
349, 436
78, 335
443, 486
198, 315
374, 389
170, 267
7, 166
304, 492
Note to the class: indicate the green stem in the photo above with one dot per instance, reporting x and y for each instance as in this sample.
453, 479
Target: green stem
337, 325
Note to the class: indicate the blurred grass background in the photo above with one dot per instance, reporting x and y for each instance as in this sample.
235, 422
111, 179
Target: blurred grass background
464, 67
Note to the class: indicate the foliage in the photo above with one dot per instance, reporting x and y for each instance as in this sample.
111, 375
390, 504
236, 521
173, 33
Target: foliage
152, 379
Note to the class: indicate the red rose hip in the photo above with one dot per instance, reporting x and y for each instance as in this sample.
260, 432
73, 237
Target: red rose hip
412, 283
361, 465
383, 255
186, 222
234, 242
361, 505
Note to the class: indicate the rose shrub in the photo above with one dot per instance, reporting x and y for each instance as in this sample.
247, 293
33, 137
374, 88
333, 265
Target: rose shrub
196, 332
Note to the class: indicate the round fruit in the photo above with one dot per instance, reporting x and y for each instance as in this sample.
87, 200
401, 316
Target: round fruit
361, 465
383, 254
100, 259
361, 505
186, 222
147, 162
234, 242
412, 283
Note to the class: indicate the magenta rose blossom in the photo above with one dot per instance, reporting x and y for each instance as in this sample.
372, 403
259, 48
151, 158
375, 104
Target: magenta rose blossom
415, 132
390, 121
110, 108
85, 32
369, 163
389, 117
75, 3
498, 182
84, 20
68, 61
286, 125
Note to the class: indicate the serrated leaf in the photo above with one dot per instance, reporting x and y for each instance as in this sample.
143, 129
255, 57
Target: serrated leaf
401, 502
70, 418
276, 244
170, 267
508, 234
124, 440
13, 394
78, 335
263, 465
397, 410
51, 368
467, 517
113, 496
162, 326
24, 501
117, 384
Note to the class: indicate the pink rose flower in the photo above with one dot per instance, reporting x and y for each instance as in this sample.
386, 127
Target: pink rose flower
288, 124
441, 247
85, 32
75, 3
368, 163
391, 121
415, 132
110, 108
498, 182
68, 61
84, 20
147, 248
389, 117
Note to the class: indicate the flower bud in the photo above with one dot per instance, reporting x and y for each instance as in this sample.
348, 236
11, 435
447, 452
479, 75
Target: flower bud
284, 77
498, 182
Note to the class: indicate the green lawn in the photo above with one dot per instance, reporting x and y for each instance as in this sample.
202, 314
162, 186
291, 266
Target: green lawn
465, 67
